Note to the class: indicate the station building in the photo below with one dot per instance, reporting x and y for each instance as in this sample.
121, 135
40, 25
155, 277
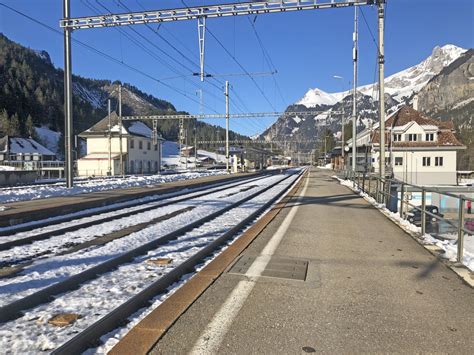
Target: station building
141, 148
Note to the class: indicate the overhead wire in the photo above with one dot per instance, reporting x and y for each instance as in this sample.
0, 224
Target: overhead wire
156, 57
103, 54
237, 62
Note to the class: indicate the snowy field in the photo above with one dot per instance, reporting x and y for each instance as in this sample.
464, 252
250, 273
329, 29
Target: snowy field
449, 245
92, 300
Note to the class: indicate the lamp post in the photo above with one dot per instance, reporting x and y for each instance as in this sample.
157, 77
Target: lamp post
338, 77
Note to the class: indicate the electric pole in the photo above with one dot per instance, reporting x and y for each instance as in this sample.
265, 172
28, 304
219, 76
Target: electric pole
381, 56
195, 146
109, 172
227, 126
354, 96
68, 126
120, 130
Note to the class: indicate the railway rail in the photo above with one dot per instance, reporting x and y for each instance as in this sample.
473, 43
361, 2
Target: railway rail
60, 225
205, 230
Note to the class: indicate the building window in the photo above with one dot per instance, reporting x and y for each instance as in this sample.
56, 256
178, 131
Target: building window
412, 137
132, 144
398, 161
148, 145
426, 161
397, 137
132, 166
439, 161
429, 137
140, 145
156, 146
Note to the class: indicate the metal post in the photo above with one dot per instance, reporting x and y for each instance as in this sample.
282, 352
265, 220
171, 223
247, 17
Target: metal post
187, 147
381, 86
423, 211
120, 130
402, 196
354, 96
201, 34
342, 137
369, 188
460, 229
377, 190
227, 126
195, 146
68, 120
109, 171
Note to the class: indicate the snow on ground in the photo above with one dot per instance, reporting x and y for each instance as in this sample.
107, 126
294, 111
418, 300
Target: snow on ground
92, 299
47, 191
6, 168
326, 167
449, 245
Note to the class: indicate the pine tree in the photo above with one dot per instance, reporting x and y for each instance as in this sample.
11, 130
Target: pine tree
30, 127
4, 122
14, 126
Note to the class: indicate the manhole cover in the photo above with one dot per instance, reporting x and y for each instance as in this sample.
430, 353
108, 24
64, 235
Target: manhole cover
283, 268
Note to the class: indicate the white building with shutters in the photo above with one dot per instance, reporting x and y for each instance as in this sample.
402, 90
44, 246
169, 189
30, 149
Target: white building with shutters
419, 150
140, 154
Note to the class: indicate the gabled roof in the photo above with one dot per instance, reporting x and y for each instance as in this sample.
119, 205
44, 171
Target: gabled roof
407, 116
131, 128
18, 145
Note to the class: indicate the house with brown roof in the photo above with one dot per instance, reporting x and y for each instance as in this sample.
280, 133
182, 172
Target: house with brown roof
140, 154
419, 150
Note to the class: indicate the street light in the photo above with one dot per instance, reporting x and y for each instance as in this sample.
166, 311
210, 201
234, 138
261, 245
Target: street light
338, 77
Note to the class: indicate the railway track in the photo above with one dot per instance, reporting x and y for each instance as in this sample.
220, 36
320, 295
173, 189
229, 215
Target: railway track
14, 236
32, 225
204, 230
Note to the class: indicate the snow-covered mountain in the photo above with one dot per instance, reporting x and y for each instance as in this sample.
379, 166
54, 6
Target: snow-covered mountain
315, 97
401, 86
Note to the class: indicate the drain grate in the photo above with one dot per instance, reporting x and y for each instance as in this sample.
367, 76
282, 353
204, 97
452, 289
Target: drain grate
277, 267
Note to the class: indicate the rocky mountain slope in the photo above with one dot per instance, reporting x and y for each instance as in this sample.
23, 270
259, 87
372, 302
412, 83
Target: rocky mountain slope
441, 82
450, 96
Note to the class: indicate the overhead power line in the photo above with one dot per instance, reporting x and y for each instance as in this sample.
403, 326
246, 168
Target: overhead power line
103, 54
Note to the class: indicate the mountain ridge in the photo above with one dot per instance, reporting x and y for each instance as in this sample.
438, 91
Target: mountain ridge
405, 85
32, 95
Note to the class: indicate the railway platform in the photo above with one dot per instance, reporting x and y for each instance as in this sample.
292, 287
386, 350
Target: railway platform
329, 273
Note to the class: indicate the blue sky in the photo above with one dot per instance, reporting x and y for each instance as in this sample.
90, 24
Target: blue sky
307, 48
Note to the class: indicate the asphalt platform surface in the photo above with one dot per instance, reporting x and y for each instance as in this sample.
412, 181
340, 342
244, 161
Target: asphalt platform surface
343, 279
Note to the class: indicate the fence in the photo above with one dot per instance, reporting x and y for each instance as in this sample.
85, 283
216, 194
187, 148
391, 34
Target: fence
451, 216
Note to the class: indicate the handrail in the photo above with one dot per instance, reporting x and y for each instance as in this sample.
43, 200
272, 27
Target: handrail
383, 195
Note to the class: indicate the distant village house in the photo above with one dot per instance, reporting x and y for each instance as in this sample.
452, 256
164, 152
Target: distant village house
23, 152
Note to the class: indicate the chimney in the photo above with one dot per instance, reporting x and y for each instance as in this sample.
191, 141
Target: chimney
415, 103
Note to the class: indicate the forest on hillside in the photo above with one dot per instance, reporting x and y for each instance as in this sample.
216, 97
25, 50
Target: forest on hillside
31, 94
